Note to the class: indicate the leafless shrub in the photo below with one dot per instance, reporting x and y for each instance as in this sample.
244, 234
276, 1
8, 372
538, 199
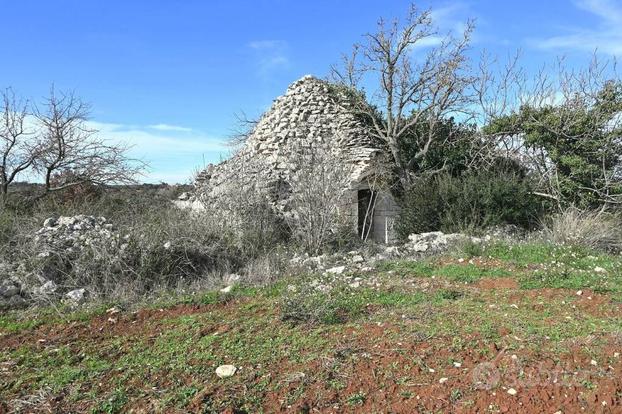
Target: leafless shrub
319, 207
266, 268
244, 209
592, 229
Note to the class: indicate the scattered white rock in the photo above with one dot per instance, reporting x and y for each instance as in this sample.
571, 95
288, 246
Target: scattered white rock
599, 269
226, 289
47, 288
593, 362
436, 241
392, 251
443, 380
77, 296
8, 289
113, 311
232, 278
226, 371
74, 233
336, 270
512, 391
457, 364
358, 259
579, 292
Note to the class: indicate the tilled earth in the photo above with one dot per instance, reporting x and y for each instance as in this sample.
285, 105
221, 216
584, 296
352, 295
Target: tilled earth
480, 346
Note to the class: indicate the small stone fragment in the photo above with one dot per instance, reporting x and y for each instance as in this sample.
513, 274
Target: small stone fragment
76, 296
358, 259
512, 391
226, 371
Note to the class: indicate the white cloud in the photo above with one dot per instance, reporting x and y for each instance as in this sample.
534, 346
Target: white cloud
167, 127
270, 55
429, 41
173, 154
606, 37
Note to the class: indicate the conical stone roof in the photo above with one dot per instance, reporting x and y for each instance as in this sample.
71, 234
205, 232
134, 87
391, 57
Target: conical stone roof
310, 115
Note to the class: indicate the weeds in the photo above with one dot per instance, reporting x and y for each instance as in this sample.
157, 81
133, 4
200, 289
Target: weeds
591, 229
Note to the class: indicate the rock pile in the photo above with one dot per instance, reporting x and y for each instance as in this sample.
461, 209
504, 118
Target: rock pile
11, 295
436, 241
417, 247
72, 234
60, 238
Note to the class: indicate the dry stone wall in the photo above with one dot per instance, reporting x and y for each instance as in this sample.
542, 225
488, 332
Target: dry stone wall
311, 115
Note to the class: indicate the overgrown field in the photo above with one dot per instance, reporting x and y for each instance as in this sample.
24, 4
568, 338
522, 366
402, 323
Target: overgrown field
505, 328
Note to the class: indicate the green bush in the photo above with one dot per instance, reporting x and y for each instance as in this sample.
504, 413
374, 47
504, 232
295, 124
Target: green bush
478, 200
421, 207
469, 202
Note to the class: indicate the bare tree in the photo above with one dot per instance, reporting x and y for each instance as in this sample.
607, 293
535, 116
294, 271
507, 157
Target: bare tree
410, 88
69, 147
18, 149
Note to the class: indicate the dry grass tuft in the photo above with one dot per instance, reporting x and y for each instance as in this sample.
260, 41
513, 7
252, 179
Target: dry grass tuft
592, 229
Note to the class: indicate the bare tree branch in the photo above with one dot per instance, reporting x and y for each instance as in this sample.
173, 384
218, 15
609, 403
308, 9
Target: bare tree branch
18, 149
69, 148
413, 86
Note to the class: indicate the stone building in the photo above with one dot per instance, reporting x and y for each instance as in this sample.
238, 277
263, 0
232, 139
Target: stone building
311, 116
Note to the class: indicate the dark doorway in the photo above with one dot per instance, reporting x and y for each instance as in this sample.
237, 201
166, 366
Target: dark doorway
366, 204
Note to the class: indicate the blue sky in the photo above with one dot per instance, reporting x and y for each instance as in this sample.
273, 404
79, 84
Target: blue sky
168, 76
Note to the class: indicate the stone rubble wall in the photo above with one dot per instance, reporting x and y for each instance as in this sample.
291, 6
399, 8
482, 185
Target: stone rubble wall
60, 238
310, 115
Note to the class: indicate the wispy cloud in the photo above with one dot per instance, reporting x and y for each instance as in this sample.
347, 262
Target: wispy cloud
270, 55
168, 127
449, 20
606, 37
172, 152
